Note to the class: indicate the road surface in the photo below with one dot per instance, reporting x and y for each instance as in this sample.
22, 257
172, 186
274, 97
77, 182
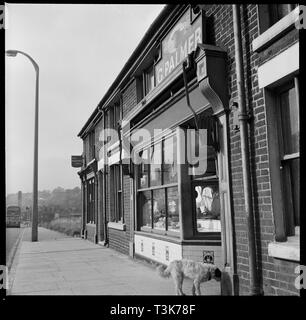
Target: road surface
12, 235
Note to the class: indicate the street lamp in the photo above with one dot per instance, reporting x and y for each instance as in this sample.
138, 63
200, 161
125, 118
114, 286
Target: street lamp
13, 53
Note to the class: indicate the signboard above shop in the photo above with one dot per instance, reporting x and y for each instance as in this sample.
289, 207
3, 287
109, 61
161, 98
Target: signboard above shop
181, 40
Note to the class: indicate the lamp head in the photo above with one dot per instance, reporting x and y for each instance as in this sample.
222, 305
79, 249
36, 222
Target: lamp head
11, 53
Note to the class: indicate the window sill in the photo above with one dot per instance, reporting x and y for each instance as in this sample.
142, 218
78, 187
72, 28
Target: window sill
117, 225
289, 250
163, 237
161, 232
275, 30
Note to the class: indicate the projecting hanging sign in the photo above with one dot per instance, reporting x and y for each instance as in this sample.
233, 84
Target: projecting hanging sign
77, 161
179, 42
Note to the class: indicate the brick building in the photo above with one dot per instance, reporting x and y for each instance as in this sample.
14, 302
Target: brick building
232, 70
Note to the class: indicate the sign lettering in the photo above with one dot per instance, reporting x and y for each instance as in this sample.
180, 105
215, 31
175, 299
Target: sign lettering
181, 40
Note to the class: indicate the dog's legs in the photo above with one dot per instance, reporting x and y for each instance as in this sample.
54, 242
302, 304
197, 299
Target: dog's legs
178, 280
196, 285
193, 289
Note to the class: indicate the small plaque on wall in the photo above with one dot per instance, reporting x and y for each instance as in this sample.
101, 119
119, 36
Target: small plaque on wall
208, 256
153, 249
141, 246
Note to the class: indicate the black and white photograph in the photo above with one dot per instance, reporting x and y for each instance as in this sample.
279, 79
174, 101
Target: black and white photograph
152, 150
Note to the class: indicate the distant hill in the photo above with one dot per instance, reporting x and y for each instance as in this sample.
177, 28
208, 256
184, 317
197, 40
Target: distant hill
60, 201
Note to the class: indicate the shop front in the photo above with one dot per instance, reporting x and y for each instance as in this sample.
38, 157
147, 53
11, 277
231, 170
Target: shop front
181, 194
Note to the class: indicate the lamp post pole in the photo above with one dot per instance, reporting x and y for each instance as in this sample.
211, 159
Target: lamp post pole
13, 53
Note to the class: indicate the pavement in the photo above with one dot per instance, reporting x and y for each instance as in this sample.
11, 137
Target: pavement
61, 265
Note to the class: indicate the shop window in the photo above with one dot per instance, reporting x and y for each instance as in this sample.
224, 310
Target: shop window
170, 160
144, 171
205, 185
159, 209
156, 165
172, 209
117, 193
207, 206
157, 188
145, 206
90, 200
289, 136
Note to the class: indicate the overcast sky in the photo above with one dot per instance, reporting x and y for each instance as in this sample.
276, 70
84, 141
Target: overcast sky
80, 50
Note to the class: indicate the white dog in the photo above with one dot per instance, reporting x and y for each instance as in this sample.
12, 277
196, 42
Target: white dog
197, 271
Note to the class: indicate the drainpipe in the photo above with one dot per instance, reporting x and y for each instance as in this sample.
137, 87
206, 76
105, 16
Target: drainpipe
243, 119
185, 66
104, 182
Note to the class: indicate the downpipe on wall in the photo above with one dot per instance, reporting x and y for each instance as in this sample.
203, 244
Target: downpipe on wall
243, 119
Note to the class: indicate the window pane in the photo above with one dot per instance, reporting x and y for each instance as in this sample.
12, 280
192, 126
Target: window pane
159, 209
144, 168
290, 121
145, 206
173, 212
119, 205
156, 160
278, 11
119, 170
295, 185
170, 160
211, 164
207, 207
149, 80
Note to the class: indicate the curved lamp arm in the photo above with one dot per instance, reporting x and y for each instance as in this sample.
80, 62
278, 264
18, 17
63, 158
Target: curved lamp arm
13, 53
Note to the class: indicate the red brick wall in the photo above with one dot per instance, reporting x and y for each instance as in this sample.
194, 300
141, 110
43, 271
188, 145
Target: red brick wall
118, 239
277, 276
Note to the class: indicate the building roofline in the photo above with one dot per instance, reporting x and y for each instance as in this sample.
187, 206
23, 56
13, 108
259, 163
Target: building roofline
125, 70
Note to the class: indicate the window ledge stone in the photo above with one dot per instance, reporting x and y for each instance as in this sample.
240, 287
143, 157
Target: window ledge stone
117, 225
289, 250
275, 30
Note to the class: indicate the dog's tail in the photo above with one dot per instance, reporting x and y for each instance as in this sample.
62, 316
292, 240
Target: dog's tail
163, 271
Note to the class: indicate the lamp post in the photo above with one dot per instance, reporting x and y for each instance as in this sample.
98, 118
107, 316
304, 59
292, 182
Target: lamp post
13, 53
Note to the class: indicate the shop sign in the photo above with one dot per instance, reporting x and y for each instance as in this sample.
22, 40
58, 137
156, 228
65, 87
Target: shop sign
77, 161
179, 42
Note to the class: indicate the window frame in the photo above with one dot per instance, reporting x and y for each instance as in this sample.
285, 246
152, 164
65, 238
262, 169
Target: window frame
151, 189
285, 159
147, 79
213, 179
117, 193
90, 185
267, 15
